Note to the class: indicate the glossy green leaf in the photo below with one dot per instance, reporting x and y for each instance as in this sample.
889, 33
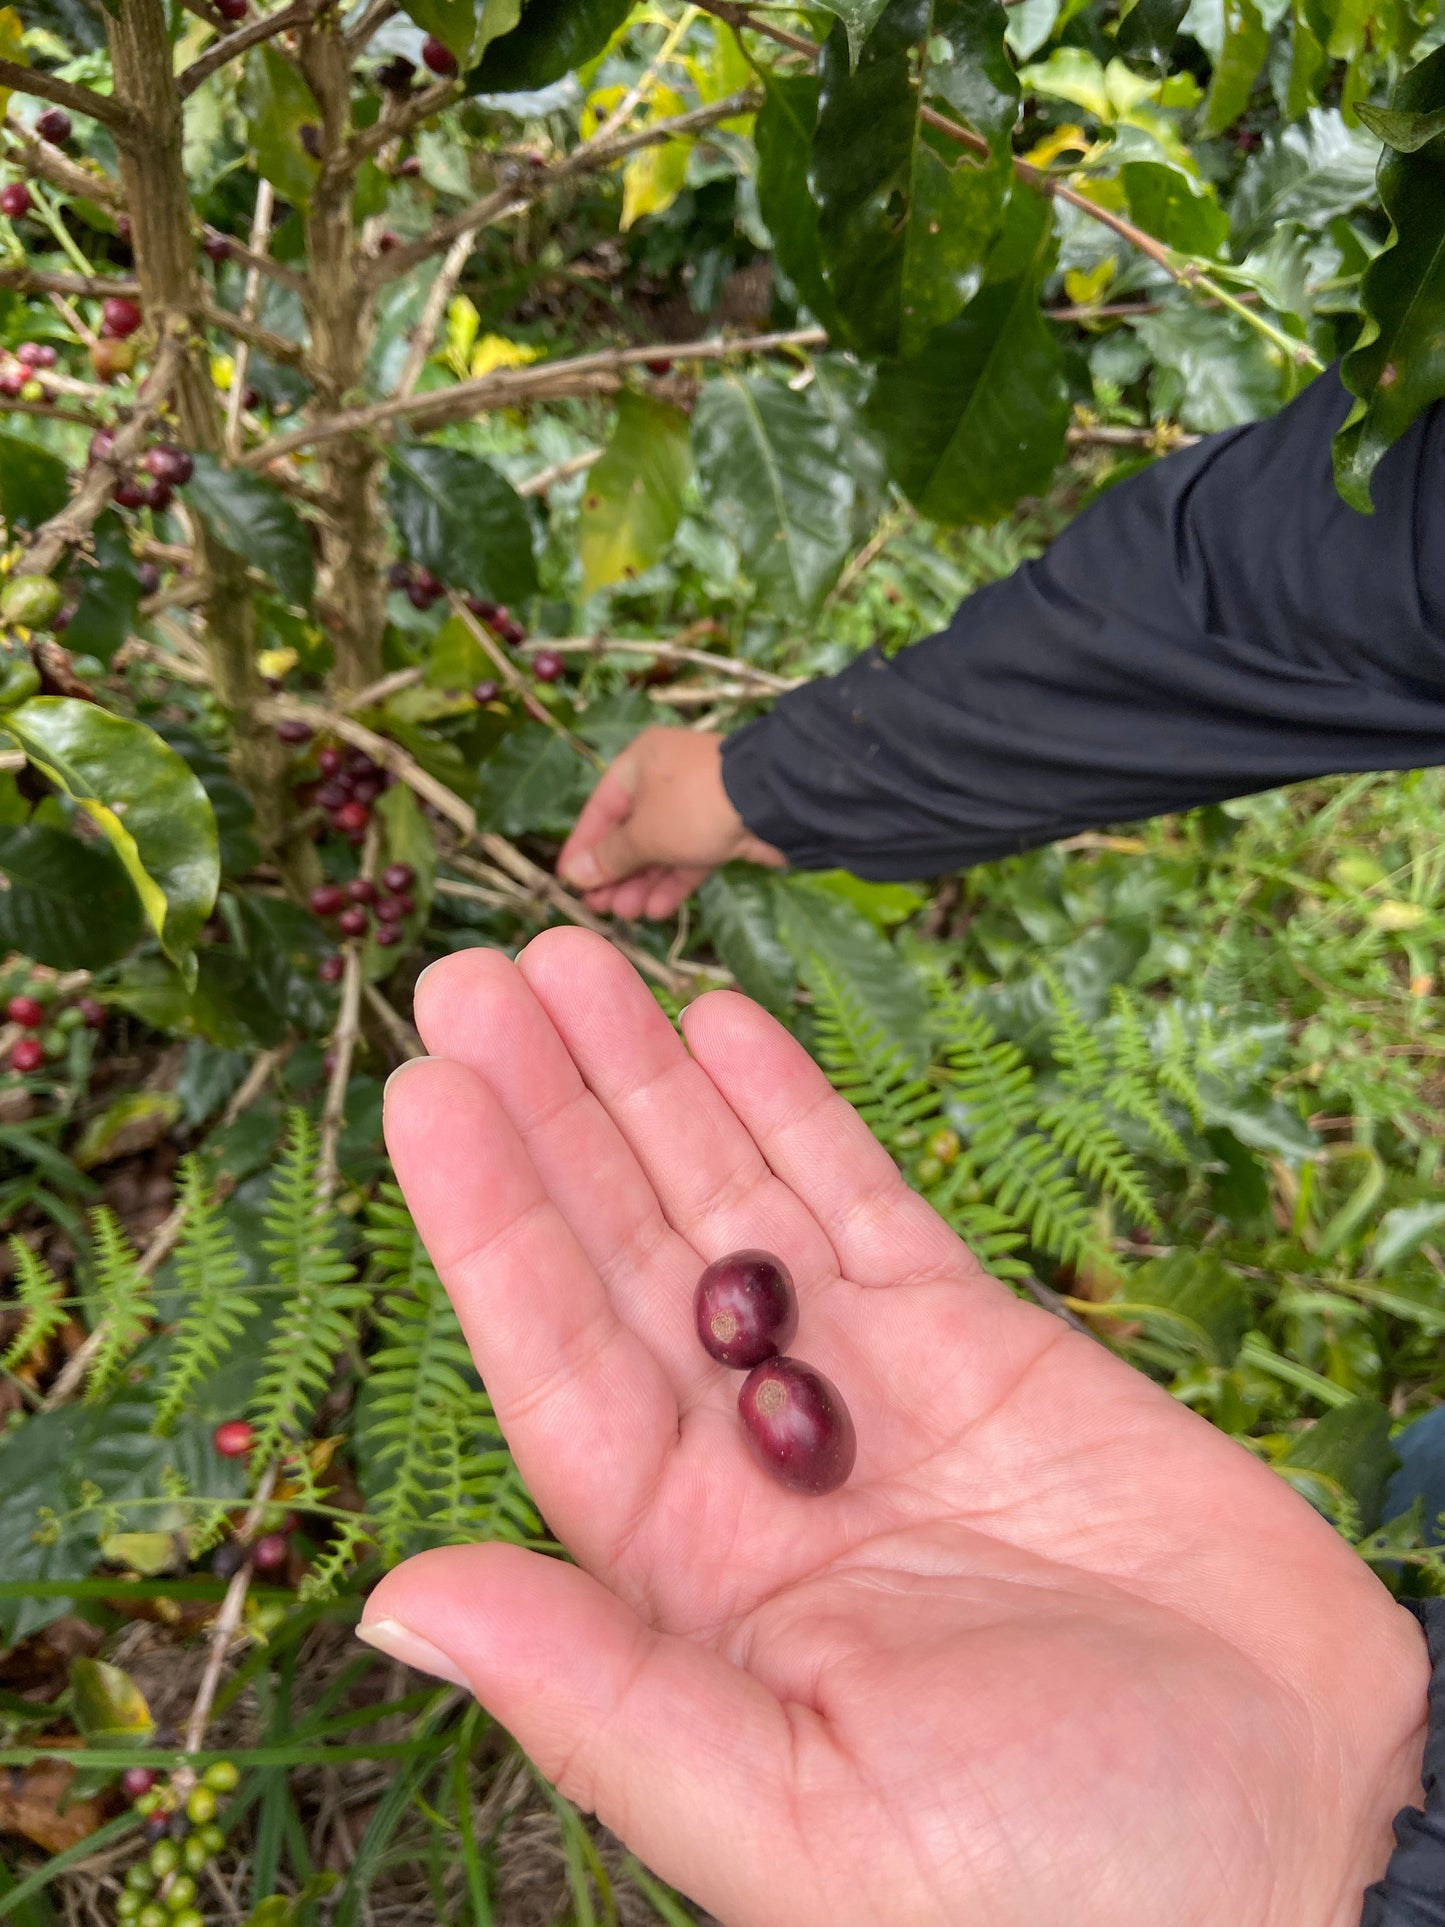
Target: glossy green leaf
1405, 130
1344, 1456
468, 27
34, 484
139, 793
253, 518
278, 104
1147, 32
858, 19
1191, 1302
1210, 370
978, 418
634, 494
68, 904
1397, 368
109, 594
740, 915
967, 67
107, 1703
535, 782
904, 217
768, 464
1175, 209
816, 924
554, 38
1310, 172
462, 519
1246, 46
783, 136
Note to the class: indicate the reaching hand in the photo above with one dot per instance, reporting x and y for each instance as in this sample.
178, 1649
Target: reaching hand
657, 823
1059, 1654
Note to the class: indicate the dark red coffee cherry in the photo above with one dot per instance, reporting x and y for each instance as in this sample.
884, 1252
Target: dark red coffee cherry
397, 877
329, 759
119, 317
746, 1309
227, 1560
36, 354
92, 1013
137, 1780
54, 126
330, 969
270, 1553
293, 730
13, 381
15, 200
167, 463
439, 57
408, 169
28, 1055
658, 365
232, 10
234, 1438
387, 934
101, 444
483, 610
353, 922
395, 75
215, 245
326, 899
148, 576
388, 241
548, 666
129, 493
309, 135
486, 692
26, 1012
361, 890
394, 909
797, 1425
352, 816
158, 496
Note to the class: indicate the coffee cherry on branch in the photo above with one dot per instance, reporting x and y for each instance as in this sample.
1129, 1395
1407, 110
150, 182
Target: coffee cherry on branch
54, 126
394, 909
353, 921
326, 899
119, 317
110, 357
148, 576
388, 241
129, 493
34, 601
409, 168
167, 463
233, 1438
137, 1780
423, 589
158, 497
797, 1426
397, 877
352, 816
36, 354
309, 134
232, 10
483, 610
15, 200
215, 245
658, 365
26, 1012
329, 759
13, 381
361, 890
293, 730
395, 75
268, 1554
439, 57
92, 1013
548, 666
745, 1309
27, 1056
101, 444
486, 692
386, 934
331, 969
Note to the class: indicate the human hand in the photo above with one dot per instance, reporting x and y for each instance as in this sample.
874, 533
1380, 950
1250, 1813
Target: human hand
657, 823
1058, 1652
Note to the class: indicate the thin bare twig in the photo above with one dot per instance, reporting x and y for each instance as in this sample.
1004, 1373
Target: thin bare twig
275, 347
548, 477
375, 17
41, 281
64, 93
401, 1033
50, 163
397, 119
260, 239
517, 683
51, 410
438, 295
343, 1041
505, 387
237, 41
605, 645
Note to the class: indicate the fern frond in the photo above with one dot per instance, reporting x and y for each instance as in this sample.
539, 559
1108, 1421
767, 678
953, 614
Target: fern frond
1029, 1182
333, 1565
316, 1321
1080, 1056
123, 1306
989, 1073
860, 1063
1080, 1128
1179, 1057
42, 1297
1131, 1088
209, 1269
425, 1404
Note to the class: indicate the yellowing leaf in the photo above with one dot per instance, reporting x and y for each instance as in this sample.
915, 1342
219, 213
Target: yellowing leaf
11, 31
1069, 137
495, 351
1087, 288
1395, 915
147, 1553
277, 663
653, 179
106, 1702
463, 321
634, 494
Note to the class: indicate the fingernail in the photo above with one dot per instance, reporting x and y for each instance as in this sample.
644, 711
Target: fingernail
400, 1071
422, 975
583, 871
389, 1636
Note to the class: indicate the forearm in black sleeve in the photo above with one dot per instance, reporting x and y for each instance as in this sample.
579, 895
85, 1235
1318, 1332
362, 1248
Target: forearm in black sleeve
1218, 624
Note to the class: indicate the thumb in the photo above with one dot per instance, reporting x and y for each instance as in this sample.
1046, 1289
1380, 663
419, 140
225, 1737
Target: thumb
678, 1751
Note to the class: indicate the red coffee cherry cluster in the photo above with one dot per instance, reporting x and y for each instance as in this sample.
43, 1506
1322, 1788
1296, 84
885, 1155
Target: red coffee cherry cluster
346, 784
794, 1419
20, 372
354, 904
162, 470
48, 1028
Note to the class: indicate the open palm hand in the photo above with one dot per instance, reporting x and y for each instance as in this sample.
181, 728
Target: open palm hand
1058, 1652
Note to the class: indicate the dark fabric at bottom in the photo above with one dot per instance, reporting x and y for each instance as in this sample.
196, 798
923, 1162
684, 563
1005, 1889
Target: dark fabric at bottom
1412, 1893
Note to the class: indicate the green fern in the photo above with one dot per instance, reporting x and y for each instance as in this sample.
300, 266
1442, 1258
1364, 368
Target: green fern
123, 1304
321, 1298
209, 1269
871, 1073
42, 1299
1131, 1089
331, 1568
1179, 1058
1078, 1121
425, 1407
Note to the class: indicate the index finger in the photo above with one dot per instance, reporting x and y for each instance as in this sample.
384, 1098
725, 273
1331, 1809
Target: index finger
608, 805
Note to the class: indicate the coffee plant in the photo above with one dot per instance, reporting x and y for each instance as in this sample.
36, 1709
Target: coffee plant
404, 406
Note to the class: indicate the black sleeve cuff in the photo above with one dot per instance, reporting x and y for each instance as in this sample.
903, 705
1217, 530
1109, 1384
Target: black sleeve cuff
1412, 1893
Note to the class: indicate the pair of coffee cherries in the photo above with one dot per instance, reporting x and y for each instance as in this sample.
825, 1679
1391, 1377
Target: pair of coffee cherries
794, 1418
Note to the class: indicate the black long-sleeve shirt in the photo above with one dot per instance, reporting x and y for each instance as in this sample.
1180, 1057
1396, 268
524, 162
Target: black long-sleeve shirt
1217, 624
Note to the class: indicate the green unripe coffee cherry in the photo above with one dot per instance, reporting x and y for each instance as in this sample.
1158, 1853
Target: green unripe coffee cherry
140, 1879
190, 1918
165, 1858
68, 1020
19, 680
945, 1145
195, 1854
180, 1893
53, 1038
31, 600
929, 1171
152, 1916
223, 1775
212, 1838
201, 1806
128, 1905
